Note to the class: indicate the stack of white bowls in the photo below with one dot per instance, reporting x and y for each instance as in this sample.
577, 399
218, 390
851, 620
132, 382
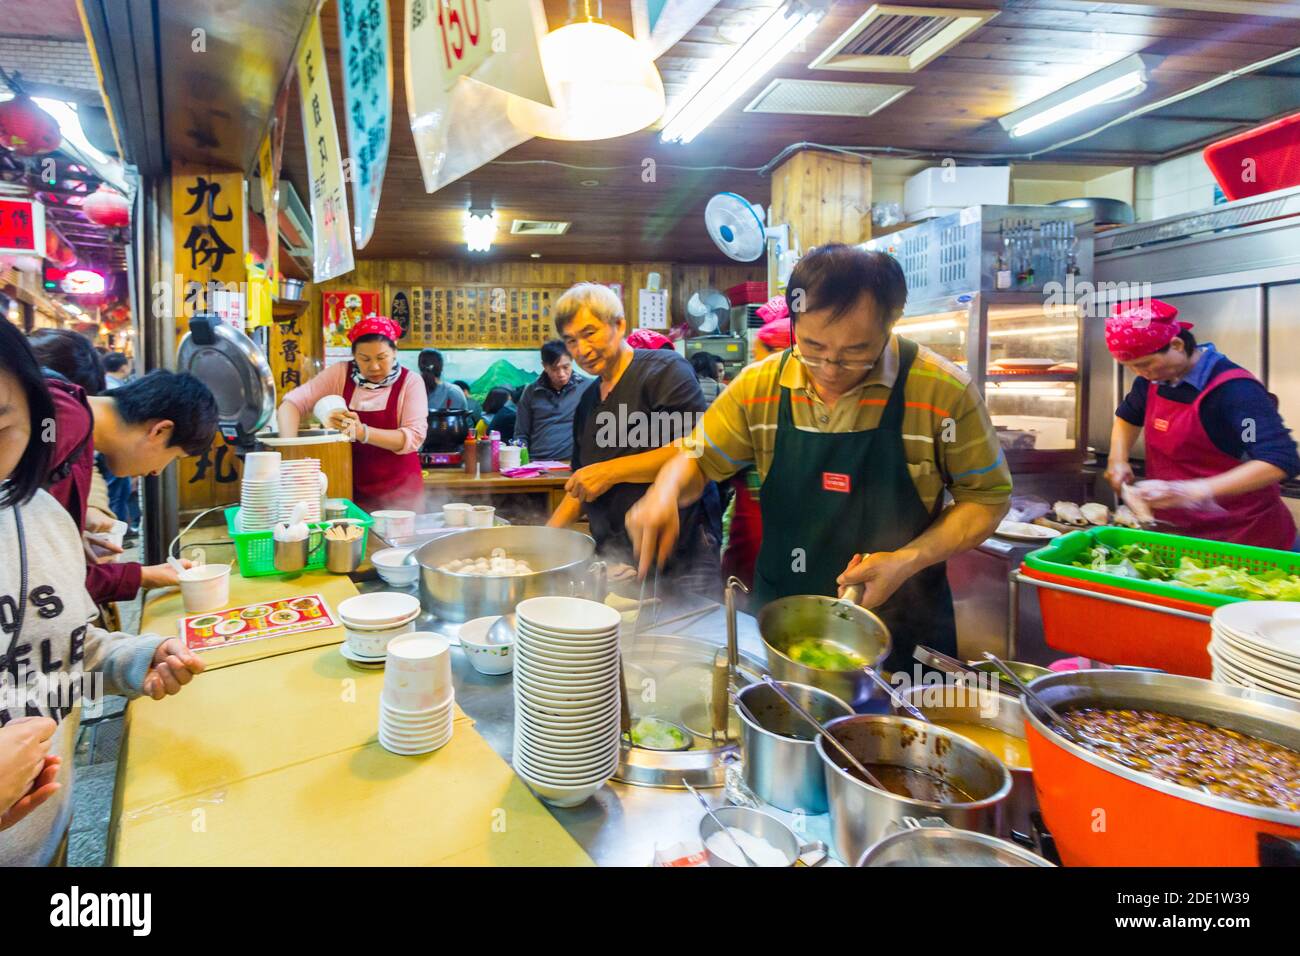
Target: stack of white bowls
418, 704
300, 480
372, 621
259, 492
1257, 644
566, 688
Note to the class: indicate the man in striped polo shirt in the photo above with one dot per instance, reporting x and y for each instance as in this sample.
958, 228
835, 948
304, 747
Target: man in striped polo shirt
860, 438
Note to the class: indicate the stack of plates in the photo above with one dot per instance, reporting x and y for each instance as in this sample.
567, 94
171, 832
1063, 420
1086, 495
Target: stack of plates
1257, 644
300, 480
259, 504
566, 689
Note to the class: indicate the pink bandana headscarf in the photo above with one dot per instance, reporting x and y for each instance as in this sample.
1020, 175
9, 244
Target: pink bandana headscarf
1138, 329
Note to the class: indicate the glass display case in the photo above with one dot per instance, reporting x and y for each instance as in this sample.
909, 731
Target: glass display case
1026, 351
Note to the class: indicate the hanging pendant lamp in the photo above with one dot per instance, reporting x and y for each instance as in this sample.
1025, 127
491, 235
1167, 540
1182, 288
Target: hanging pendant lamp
603, 82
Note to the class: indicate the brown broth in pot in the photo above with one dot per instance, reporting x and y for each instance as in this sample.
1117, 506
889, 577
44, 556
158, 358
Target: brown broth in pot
1193, 754
914, 784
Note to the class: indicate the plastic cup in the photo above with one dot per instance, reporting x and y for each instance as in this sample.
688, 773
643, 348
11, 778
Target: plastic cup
205, 588
327, 406
455, 514
481, 516
417, 676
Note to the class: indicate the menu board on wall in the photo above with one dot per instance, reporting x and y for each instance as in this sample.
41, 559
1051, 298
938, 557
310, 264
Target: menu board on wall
473, 316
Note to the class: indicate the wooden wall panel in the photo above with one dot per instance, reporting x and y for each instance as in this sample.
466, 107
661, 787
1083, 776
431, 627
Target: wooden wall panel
825, 197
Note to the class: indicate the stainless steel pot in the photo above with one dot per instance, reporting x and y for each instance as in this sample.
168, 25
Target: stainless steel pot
986, 708
784, 621
760, 825
860, 814
780, 762
932, 842
563, 562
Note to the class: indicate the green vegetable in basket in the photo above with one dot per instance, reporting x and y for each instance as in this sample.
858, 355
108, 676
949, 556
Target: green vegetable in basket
1143, 563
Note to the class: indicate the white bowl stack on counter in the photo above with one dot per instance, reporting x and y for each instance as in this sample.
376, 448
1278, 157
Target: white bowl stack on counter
486, 656
372, 621
259, 492
418, 703
1257, 644
566, 688
301, 480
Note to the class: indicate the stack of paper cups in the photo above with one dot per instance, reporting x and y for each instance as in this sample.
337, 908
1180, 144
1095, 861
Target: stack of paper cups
418, 703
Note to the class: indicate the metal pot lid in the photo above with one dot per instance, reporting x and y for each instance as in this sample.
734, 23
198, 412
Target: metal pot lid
932, 842
230, 364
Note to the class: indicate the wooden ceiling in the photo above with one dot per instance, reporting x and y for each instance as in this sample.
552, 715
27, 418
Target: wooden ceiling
1030, 49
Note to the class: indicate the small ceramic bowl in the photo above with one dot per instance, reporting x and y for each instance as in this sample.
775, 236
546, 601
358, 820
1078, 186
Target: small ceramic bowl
484, 657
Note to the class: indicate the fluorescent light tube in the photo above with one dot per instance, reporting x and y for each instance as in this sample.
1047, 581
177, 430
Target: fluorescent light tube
780, 33
1118, 81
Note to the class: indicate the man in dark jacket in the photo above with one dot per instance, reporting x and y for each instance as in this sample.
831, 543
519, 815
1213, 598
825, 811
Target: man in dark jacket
545, 415
140, 429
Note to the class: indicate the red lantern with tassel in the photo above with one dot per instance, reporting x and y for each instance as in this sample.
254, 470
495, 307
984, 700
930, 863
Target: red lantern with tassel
27, 129
106, 207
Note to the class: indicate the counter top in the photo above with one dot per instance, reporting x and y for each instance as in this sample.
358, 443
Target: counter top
458, 478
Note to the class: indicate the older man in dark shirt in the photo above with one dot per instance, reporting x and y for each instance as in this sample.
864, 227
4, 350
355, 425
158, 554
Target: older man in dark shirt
545, 410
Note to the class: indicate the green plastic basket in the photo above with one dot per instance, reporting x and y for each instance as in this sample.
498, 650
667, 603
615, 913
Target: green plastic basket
256, 549
1058, 558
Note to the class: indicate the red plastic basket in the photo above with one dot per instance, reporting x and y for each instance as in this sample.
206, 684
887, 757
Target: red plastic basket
1120, 633
1259, 160
747, 292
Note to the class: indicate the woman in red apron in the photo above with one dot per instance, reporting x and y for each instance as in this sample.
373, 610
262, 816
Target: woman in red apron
385, 414
1216, 448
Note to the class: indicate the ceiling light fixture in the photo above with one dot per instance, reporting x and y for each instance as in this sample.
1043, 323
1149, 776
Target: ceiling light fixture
480, 229
1119, 81
602, 81
776, 36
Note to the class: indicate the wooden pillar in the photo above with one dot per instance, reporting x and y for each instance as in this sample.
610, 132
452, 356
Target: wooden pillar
823, 197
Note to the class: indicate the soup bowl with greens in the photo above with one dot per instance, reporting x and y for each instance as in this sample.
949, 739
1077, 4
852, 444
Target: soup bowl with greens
824, 642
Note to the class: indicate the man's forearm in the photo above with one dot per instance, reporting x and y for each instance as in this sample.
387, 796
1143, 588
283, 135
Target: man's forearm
681, 478
959, 528
643, 468
567, 513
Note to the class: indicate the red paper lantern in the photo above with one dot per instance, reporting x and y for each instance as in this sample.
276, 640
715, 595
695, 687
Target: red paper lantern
27, 129
106, 207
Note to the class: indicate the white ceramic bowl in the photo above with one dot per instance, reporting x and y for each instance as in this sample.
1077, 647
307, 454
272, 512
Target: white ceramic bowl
394, 524
455, 514
378, 609
396, 574
373, 642
481, 516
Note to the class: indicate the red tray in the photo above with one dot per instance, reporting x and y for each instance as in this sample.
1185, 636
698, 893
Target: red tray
1257, 161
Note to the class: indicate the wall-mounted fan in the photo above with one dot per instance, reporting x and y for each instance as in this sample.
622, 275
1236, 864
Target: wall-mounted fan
708, 312
736, 226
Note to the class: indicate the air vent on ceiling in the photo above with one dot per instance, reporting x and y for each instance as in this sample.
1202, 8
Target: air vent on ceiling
894, 39
538, 227
825, 97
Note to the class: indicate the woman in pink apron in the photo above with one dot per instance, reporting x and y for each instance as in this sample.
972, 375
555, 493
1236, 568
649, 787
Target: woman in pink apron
1217, 450
386, 416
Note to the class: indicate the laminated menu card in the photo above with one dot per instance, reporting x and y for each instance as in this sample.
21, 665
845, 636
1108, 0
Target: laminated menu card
255, 622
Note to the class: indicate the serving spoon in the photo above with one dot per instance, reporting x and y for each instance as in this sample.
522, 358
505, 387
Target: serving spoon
867, 775
718, 823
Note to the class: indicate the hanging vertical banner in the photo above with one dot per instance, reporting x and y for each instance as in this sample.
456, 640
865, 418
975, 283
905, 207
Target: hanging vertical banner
331, 232
366, 50
268, 167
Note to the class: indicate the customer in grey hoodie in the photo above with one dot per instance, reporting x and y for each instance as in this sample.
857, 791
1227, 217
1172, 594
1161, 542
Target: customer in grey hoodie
53, 664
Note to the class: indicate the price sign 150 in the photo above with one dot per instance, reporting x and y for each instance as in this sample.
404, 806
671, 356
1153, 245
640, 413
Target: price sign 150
462, 31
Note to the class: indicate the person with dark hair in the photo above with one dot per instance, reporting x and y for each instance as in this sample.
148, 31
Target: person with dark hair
546, 407
50, 653
708, 369
442, 397
385, 414
140, 429
627, 424
859, 436
499, 408
1216, 448
471, 404
117, 368
69, 355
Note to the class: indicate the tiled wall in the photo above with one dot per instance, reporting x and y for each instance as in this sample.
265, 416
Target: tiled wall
1174, 187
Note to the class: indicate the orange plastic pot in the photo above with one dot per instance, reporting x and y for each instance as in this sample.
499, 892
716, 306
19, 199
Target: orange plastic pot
1104, 814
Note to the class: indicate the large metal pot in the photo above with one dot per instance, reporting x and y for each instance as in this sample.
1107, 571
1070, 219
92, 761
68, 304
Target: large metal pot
987, 708
860, 813
788, 619
448, 428
781, 764
1103, 814
563, 563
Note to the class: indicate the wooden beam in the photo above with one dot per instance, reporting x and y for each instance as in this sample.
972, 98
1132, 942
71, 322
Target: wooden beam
823, 197
1285, 9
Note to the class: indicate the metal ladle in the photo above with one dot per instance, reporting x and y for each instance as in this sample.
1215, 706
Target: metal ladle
502, 630
857, 764
718, 823
1060, 722
893, 694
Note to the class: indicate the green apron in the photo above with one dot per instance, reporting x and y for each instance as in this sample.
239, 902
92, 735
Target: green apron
829, 496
